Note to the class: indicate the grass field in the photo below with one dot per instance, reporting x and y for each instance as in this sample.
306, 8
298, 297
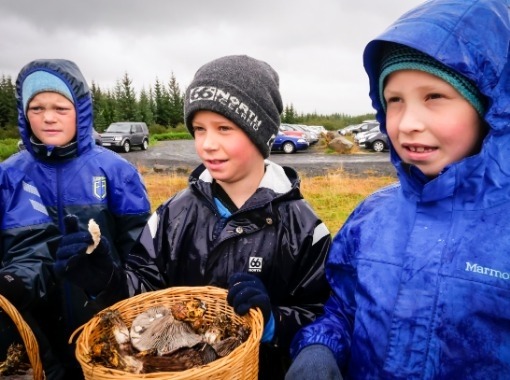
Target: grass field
333, 196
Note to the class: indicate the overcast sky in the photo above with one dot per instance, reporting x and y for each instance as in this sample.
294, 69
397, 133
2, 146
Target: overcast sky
315, 45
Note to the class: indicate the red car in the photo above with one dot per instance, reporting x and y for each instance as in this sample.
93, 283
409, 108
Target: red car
291, 132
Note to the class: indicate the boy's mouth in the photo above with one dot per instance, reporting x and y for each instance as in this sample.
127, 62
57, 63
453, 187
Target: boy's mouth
419, 148
216, 162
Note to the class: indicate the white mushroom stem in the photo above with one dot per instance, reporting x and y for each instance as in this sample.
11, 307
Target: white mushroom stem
96, 235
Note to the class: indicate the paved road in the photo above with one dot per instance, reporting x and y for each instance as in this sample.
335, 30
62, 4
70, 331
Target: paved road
180, 156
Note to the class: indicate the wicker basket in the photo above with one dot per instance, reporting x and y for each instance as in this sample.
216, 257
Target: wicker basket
27, 335
242, 363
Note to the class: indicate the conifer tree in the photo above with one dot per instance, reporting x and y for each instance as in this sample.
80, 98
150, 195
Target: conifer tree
8, 114
99, 107
162, 104
145, 108
126, 100
176, 100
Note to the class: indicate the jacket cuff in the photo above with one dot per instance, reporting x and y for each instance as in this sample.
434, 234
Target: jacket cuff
12, 287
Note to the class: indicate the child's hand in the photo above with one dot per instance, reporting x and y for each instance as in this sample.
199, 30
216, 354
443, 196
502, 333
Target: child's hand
314, 362
89, 271
246, 291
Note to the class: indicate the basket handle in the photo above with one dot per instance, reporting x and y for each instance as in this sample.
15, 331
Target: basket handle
75, 334
28, 337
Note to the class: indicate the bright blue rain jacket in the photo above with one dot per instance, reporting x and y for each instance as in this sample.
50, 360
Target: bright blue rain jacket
421, 270
92, 183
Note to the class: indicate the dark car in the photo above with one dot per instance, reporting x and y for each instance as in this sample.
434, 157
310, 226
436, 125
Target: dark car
367, 125
289, 144
97, 137
124, 135
375, 140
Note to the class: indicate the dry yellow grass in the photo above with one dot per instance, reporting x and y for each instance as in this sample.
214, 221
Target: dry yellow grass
333, 196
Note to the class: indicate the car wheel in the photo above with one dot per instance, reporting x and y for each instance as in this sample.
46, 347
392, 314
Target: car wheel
288, 147
145, 145
378, 146
126, 147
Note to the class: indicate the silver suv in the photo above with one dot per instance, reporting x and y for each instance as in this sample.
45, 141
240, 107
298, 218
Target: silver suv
124, 135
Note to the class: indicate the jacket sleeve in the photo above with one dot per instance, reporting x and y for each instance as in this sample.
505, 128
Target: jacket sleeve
135, 270
308, 288
334, 328
28, 237
141, 270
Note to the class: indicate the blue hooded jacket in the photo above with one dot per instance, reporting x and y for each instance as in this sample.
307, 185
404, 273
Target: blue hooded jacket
420, 271
89, 181
26, 242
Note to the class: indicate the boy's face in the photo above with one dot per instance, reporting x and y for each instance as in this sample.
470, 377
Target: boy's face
429, 123
52, 118
226, 150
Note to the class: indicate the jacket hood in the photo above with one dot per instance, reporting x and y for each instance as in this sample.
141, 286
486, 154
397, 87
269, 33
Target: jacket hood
71, 75
451, 32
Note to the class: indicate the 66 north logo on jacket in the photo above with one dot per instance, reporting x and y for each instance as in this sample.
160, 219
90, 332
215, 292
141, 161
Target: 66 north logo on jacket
255, 264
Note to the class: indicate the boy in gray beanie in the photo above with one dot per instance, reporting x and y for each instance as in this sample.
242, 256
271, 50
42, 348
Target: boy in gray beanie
242, 223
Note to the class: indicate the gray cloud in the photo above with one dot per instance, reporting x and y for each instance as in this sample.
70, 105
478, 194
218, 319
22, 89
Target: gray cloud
315, 46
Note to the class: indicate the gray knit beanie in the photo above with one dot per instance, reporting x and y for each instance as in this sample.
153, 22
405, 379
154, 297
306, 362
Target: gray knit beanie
244, 90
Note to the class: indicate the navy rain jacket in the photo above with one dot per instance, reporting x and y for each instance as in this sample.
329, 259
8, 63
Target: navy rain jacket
421, 271
27, 237
275, 235
93, 183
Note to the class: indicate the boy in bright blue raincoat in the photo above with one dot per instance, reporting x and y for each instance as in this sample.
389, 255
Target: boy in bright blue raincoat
420, 271
78, 181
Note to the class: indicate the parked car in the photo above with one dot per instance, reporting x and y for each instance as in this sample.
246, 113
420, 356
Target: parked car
289, 144
291, 132
314, 134
375, 140
124, 135
319, 129
367, 125
97, 137
311, 137
360, 135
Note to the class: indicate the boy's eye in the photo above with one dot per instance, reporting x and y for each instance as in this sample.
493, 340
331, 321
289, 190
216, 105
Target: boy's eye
197, 129
393, 99
224, 128
434, 96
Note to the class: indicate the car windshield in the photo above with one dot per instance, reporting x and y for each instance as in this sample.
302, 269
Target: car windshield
123, 128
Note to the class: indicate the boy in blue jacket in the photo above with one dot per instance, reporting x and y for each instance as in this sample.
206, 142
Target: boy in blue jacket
78, 181
420, 271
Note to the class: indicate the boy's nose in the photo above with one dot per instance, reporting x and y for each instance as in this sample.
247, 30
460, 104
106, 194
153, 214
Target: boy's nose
49, 115
411, 121
210, 142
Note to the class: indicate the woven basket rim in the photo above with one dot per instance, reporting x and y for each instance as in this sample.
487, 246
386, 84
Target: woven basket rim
253, 319
27, 335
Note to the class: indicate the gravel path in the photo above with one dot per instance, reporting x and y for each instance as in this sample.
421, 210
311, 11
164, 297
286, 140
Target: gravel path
179, 156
